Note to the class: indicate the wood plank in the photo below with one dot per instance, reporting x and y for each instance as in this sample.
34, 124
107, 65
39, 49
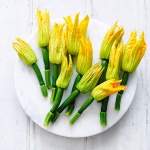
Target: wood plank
147, 61
130, 131
14, 126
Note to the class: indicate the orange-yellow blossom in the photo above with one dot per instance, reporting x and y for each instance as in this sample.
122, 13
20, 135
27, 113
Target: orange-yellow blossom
24, 51
43, 33
65, 73
75, 31
133, 52
57, 44
107, 88
114, 65
85, 56
90, 78
114, 33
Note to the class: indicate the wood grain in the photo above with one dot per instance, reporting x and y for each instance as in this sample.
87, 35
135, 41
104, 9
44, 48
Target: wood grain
14, 127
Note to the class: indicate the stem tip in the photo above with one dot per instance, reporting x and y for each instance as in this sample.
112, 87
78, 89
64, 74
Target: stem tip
44, 90
48, 118
118, 101
103, 118
76, 116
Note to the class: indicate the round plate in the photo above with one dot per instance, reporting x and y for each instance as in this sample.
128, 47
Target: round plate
36, 107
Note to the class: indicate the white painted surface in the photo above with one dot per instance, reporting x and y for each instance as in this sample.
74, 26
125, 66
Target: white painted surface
17, 131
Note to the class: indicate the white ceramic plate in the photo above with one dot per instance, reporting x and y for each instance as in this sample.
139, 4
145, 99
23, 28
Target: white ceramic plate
36, 107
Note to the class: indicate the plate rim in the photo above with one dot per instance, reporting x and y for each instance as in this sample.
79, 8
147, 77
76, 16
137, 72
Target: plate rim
45, 128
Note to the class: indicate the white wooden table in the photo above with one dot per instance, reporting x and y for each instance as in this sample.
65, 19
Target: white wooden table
17, 131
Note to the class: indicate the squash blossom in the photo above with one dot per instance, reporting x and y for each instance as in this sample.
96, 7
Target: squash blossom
43, 33
114, 33
106, 88
57, 44
74, 31
65, 73
24, 51
114, 65
85, 56
90, 78
133, 52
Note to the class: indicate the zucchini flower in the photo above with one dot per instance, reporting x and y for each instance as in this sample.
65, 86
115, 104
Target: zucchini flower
56, 50
133, 52
43, 33
25, 51
114, 65
90, 78
114, 33
43, 37
65, 73
57, 44
74, 32
132, 55
107, 88
72, 35
85, 56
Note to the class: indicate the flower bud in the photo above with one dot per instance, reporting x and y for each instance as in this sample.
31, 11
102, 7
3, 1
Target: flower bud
43, 33
24, 51
72, 35
133, 52
85, 56
114, 65
114, 33
65, 73
106, 88
90, 78
57, 44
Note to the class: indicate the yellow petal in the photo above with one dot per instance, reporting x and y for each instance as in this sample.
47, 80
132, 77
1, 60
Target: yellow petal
57, 44
85, 56
83, 26
133, 52
114, 65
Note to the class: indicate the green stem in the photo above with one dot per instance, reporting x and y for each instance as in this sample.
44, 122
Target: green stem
58, 98
82, 108
55, 74
104, 64
45, 55
103, 119
71, 98
72, 104
119, 95
103, 113
40, 79
57, 101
